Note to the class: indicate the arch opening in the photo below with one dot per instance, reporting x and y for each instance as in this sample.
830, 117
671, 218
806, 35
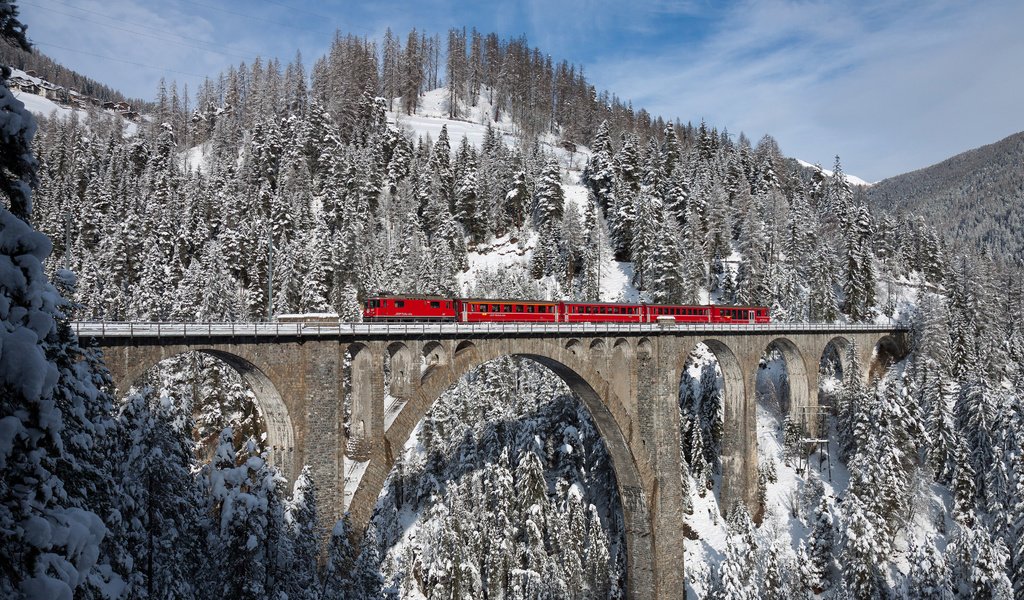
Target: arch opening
504, 406
434, 356
834, 366
360, 393
225, 390
701, 410
887, 352
398, 369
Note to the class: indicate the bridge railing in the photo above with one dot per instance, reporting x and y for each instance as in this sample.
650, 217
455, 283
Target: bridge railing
211, 329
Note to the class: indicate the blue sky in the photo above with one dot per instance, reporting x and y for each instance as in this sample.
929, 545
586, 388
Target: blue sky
889, 86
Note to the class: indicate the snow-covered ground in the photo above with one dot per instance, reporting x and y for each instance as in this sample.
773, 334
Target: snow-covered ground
44, 107
789, 507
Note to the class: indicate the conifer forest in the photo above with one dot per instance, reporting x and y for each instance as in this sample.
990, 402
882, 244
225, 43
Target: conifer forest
307, 187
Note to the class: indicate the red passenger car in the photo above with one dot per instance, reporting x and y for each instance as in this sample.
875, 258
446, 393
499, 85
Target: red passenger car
477, 310
601, 312
485, 310
708, 314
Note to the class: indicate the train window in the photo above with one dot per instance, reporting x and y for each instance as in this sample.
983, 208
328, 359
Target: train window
435, 305
519, 308
529, 309
399, 303
495, 308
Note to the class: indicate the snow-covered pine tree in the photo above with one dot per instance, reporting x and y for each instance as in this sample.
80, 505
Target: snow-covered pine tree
517, 200
859, 284
550, 199
667, 274
863, 556
646, 211
338, 571
305, 534
928, 578
822, 304
819, 546
51, 538
157, 535
599, 174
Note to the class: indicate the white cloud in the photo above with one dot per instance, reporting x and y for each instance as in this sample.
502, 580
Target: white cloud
888, 89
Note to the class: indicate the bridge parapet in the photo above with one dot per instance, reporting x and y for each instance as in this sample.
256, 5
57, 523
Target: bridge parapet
113, 330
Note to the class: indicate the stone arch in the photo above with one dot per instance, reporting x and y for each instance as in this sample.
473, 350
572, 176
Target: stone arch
841, 345
623, 346
622, 354
400, 367
887, 350
644, 348
738, 452
280, 431
800, 397
464, 346
598, 348
574, 347
606, 411
434, 356
362, 423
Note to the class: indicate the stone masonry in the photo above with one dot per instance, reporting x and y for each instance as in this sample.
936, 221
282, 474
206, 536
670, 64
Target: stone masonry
628, 381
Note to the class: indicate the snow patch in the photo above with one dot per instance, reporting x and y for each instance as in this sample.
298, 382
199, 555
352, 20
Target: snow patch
851, 179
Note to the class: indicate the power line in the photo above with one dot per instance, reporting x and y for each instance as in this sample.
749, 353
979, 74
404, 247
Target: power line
139, 33
120, 60
297, 8
245, 16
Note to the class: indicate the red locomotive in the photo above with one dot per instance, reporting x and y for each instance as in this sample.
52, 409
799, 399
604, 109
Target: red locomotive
480, 310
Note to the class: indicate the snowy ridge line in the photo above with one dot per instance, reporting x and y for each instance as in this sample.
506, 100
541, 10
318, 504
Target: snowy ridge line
119, 330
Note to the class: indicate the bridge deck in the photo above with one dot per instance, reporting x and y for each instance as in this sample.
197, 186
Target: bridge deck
275, 330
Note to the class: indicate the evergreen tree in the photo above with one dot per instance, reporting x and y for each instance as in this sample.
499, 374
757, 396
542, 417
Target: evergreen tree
927, 579
859, 285
550, 196
49, 403
820, 546
305, 534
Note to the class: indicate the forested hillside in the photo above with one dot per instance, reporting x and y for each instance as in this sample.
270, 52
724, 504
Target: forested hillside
977, 196
278, 191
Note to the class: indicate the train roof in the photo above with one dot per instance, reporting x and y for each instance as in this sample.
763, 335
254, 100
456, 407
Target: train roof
507, 301
406, 297
527, 301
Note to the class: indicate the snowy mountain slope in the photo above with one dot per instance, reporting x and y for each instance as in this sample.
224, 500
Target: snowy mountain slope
44, 107
851, 179
506, 254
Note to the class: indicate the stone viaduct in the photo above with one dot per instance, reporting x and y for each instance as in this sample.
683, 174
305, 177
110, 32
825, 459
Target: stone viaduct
345, 399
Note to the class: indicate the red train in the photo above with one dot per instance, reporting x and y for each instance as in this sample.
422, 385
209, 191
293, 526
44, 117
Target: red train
475, 310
